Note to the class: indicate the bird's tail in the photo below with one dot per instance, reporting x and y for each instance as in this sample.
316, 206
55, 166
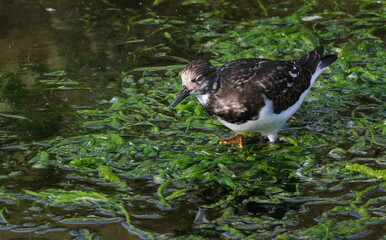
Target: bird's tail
327, 60
314, 59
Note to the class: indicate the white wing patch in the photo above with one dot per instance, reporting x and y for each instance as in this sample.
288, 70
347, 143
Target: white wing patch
294, 75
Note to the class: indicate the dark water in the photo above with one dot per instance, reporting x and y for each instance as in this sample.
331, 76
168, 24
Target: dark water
58, 57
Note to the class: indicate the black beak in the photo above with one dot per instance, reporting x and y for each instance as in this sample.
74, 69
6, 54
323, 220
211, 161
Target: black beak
181, 96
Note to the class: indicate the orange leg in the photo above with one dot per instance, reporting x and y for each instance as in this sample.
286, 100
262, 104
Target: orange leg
236, 138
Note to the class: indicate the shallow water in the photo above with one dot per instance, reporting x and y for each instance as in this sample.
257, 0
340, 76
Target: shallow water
91, 149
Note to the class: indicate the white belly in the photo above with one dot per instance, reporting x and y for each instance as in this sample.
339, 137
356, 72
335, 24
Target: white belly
268, 123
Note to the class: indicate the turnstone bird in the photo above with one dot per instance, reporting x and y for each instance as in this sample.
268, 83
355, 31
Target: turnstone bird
253, 94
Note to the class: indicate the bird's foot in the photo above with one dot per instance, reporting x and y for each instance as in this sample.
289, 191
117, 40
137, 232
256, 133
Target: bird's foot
235, 139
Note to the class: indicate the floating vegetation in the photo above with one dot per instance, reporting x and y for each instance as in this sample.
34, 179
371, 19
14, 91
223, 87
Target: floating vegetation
159, 173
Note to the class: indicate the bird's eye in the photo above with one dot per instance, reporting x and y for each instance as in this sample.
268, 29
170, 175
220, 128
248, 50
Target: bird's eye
199, 78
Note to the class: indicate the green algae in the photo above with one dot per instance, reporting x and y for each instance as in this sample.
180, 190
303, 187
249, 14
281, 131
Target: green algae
72, 197
259, 191
366, 170
132, 228
2, 215
106, 173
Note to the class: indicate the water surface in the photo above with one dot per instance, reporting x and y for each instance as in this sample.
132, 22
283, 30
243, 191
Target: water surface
91, 149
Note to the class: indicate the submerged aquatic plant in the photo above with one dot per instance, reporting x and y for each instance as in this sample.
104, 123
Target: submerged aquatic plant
139, 161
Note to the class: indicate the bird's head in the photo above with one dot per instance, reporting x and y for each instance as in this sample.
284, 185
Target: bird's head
195, 79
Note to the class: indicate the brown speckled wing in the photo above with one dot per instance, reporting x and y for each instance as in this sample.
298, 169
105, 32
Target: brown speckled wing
284, 83
238, 99
245, 82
